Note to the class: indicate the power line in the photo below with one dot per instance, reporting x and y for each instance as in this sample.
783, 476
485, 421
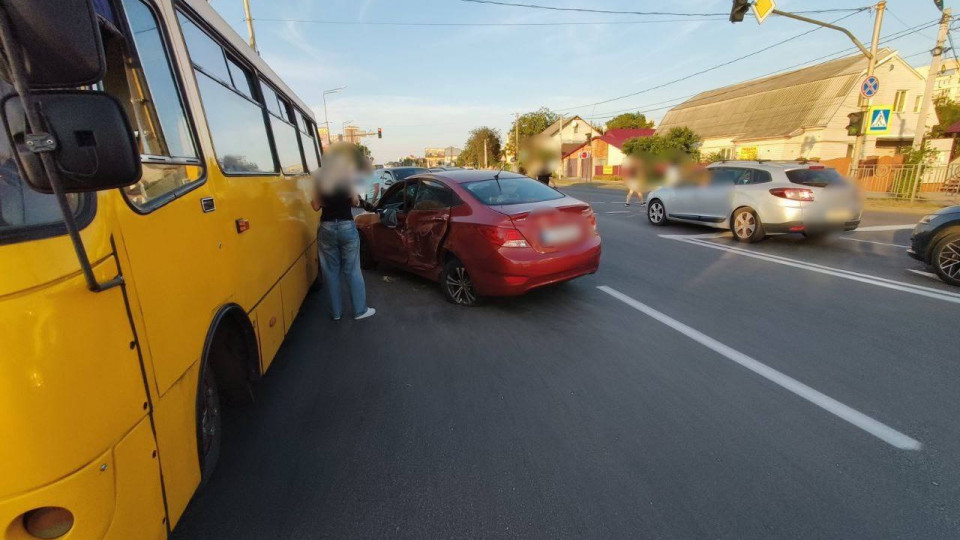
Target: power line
619, 12
400, 23
707, 70
767, 77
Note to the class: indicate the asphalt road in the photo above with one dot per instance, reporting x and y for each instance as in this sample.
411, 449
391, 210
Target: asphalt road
712, 390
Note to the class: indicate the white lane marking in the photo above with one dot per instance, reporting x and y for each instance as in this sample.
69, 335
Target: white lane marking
707, 235
618, 212
884, 228
924, 274
874, 427
846, 274
873, 242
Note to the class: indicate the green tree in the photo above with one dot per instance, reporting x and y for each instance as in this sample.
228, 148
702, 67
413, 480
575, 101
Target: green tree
529, 124
948, 113
678, 143
365, 152
472, 153
629, 121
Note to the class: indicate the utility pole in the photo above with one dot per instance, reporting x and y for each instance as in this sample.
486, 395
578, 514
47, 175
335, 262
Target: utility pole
516, 140
560, 168
484, 152
249, 19
927, 103
861, 139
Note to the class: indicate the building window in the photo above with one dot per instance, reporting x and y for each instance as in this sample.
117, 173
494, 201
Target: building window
898, 100
917, 104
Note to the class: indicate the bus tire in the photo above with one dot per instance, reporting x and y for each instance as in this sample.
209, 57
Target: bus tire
209, 423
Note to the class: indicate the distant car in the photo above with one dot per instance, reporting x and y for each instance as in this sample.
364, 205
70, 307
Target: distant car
479, 235
369, 186
936, 242
755, 198
441, 169
391, 175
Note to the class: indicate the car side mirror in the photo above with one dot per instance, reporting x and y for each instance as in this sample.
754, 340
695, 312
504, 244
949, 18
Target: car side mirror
388, 217
90, 139
59, 40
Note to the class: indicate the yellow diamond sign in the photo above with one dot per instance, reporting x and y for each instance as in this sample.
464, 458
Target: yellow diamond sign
762, 8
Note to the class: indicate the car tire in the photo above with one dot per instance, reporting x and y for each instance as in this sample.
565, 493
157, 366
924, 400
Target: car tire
209, 423
367, 262
945, 258
745, 225
457, 286
657, 213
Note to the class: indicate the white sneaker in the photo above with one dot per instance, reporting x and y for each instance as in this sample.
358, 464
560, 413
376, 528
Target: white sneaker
370, 312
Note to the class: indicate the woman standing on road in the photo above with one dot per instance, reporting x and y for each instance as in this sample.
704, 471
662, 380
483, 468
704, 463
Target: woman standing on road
633, 174
337, 236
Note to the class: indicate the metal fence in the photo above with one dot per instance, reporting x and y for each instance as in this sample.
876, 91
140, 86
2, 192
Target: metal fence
932, 182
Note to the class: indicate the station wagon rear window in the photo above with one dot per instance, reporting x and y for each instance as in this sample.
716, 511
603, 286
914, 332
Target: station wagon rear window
816, 177
511, 190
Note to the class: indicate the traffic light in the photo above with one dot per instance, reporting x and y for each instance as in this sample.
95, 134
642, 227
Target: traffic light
740, 8
855, 127
379, 133
939, 4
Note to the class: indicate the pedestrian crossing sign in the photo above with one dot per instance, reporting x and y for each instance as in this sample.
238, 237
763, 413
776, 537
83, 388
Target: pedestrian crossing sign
879, 120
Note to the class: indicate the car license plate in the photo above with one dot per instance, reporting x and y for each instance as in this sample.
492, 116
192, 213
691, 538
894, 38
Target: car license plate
560, 235
839, 214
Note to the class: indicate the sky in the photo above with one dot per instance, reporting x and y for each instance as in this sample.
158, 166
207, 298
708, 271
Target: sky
428, 86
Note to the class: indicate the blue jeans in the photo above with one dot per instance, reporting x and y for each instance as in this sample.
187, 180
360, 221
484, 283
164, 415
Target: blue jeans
340, 256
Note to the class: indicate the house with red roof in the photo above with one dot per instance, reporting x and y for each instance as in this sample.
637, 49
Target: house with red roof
601, 155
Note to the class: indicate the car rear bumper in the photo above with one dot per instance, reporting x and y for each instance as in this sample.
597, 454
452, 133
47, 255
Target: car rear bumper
800, 226
512, 271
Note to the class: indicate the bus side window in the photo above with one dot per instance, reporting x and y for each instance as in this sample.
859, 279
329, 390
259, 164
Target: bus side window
284, 132
236, 120
143, 77
308, 142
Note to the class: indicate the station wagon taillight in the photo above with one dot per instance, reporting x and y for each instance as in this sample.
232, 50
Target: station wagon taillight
794, 194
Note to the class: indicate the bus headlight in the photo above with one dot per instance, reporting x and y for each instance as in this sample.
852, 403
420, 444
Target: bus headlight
48, 522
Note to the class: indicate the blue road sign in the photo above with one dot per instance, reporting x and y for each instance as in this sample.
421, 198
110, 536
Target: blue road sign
870, 86
879, 120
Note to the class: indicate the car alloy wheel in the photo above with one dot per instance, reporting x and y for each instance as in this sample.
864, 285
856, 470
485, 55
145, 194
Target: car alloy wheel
947, 259
746, 226
457, 285
656, 213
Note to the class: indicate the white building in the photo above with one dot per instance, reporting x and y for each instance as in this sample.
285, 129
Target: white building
803, 113
948, 80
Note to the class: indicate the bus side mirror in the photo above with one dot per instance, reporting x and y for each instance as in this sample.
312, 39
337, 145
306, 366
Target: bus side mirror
90, 139
59, 41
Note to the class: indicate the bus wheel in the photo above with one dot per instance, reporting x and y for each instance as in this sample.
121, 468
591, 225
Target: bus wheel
209, 423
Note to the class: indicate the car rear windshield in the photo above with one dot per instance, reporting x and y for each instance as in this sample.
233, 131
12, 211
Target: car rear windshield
512, 190
400, 174
816, 177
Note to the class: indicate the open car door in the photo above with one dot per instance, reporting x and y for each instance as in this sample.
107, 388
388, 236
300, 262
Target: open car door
427, 224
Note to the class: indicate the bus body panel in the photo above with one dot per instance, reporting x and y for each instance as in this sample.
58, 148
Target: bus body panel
139, 493
70, 379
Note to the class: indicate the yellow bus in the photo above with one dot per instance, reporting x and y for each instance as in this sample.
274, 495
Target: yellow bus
110, 396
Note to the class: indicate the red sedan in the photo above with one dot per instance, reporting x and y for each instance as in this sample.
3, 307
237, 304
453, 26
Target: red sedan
480, 233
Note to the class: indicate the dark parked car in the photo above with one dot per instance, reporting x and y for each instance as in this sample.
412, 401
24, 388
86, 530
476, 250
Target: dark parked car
391, 175
936, 242
479, 234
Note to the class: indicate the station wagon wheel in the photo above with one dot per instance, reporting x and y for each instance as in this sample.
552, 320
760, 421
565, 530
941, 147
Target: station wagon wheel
457, 285
746, 225
946, 259
209, 420
656, 213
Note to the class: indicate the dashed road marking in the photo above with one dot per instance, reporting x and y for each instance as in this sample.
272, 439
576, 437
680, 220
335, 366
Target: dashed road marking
875, 228
874, 427
873, 242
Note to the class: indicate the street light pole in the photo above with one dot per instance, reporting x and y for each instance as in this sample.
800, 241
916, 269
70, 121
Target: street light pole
326, 120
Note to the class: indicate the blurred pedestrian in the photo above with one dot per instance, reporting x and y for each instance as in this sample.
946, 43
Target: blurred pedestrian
634, 175
337, 235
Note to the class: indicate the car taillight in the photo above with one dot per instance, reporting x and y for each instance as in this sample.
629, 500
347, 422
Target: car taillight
503, 236
591, 219
794, 194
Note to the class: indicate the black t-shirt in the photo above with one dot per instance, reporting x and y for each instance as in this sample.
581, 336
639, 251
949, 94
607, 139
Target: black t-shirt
336, 206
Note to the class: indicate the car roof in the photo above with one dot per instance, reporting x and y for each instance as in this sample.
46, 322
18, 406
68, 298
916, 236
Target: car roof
763, 164
461, 176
